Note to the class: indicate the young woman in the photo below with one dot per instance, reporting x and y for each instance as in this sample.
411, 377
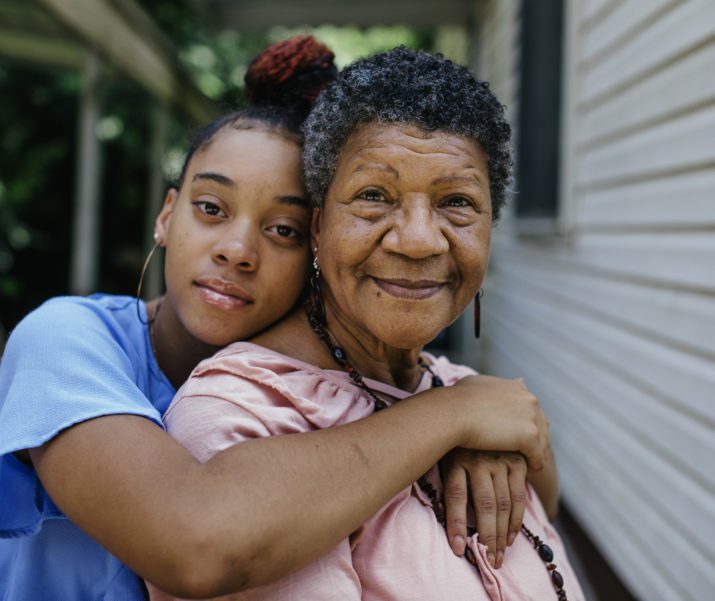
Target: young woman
407, 159
92, 489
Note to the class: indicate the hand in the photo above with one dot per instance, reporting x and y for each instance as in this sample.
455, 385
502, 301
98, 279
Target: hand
497, 414
496, 483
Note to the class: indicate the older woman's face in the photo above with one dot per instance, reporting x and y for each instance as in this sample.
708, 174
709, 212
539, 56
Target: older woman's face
404, 235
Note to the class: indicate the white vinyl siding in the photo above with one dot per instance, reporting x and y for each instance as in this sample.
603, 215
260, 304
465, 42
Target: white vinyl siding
611, 320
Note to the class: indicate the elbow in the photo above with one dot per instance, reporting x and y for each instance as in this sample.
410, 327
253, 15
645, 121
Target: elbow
219, 572
199, 567
197, 580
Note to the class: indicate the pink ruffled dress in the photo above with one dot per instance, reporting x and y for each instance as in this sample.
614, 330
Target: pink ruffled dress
247, 391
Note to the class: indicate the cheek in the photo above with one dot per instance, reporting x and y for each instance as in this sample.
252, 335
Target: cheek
292, 273
472, 257
349, 242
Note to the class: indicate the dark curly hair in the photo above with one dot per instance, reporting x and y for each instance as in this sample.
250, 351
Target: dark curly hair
406, 86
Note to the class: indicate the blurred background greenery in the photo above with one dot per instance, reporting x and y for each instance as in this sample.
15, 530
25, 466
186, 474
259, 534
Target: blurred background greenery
38, 148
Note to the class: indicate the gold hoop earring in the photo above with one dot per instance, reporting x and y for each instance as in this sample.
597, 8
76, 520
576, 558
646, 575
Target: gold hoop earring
141, 277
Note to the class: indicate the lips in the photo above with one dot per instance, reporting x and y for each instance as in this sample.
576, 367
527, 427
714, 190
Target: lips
223, 294
409, 289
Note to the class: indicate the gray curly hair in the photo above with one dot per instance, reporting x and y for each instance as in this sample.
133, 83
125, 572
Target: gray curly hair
406, 86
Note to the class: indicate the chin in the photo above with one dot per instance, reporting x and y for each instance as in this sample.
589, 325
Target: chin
416, 338
220, 337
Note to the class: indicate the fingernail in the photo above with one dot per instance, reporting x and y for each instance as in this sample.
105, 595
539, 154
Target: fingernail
458, 544
490, 559
510, 538
499, 560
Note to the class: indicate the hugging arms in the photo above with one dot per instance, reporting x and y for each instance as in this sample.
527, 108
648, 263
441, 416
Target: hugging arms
84, 383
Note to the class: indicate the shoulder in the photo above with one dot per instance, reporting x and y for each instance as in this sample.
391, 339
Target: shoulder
448, 371
265, 382
87, 325
66, 313
261, 364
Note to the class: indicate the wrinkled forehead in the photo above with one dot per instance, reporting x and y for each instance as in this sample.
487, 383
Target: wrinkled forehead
376, 135
389, 145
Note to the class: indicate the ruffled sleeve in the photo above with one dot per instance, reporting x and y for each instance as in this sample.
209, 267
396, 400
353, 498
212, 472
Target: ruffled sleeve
448, 371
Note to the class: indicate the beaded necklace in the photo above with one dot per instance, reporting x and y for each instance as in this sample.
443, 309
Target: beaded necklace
317, 323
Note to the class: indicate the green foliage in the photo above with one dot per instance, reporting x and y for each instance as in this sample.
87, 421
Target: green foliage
38, 150
36, 185
350, 43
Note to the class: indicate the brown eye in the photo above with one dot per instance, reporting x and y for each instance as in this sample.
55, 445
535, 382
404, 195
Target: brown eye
285, 231
372, 195
208, 208
458, 202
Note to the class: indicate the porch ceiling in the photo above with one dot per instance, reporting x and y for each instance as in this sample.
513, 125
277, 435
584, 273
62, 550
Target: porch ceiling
262, 14
60, 33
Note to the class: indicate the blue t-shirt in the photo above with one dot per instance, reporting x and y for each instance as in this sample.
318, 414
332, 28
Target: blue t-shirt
70, 360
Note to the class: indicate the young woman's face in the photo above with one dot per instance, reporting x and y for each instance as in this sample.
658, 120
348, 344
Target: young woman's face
236, 236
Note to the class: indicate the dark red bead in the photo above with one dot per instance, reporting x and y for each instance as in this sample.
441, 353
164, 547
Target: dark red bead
546, 553
557, 579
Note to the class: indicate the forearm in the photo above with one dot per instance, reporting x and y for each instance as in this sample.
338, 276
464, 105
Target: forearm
250, 515
315, 489
546, 485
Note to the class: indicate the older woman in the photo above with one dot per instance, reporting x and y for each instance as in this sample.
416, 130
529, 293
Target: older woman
407, 161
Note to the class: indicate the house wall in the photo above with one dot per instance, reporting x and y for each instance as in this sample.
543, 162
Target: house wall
611, 317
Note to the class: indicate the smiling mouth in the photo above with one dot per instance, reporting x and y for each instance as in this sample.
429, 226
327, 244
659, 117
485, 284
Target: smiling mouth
222, 294
409, 289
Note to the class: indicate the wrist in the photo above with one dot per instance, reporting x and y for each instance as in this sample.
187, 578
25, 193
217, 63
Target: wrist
444, 413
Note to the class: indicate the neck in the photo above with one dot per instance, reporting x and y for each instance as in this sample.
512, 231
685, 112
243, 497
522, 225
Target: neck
372, 357
177, 351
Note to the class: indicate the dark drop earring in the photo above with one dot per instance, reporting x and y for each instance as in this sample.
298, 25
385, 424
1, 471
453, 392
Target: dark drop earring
477, 313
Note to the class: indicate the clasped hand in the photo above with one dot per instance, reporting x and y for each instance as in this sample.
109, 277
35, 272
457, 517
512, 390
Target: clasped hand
496, 484
507, 435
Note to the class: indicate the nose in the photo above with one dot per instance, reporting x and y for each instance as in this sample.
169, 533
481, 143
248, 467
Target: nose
416, 232
237, 247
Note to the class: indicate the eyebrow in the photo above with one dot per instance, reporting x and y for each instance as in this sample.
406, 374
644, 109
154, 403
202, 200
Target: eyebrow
229, 183
379, 166
214, 177
457, 179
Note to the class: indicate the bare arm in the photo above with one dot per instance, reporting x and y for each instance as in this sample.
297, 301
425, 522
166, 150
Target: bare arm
266, 507
546, 485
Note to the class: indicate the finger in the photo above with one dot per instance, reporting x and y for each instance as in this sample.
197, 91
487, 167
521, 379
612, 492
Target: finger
537, 443
485, 506
517, 488
500, 478
455, 502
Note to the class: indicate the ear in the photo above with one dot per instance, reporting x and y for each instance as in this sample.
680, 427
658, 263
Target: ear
163, 221
315, 229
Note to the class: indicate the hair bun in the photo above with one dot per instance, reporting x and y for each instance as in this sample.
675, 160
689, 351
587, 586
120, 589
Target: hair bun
290, 74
